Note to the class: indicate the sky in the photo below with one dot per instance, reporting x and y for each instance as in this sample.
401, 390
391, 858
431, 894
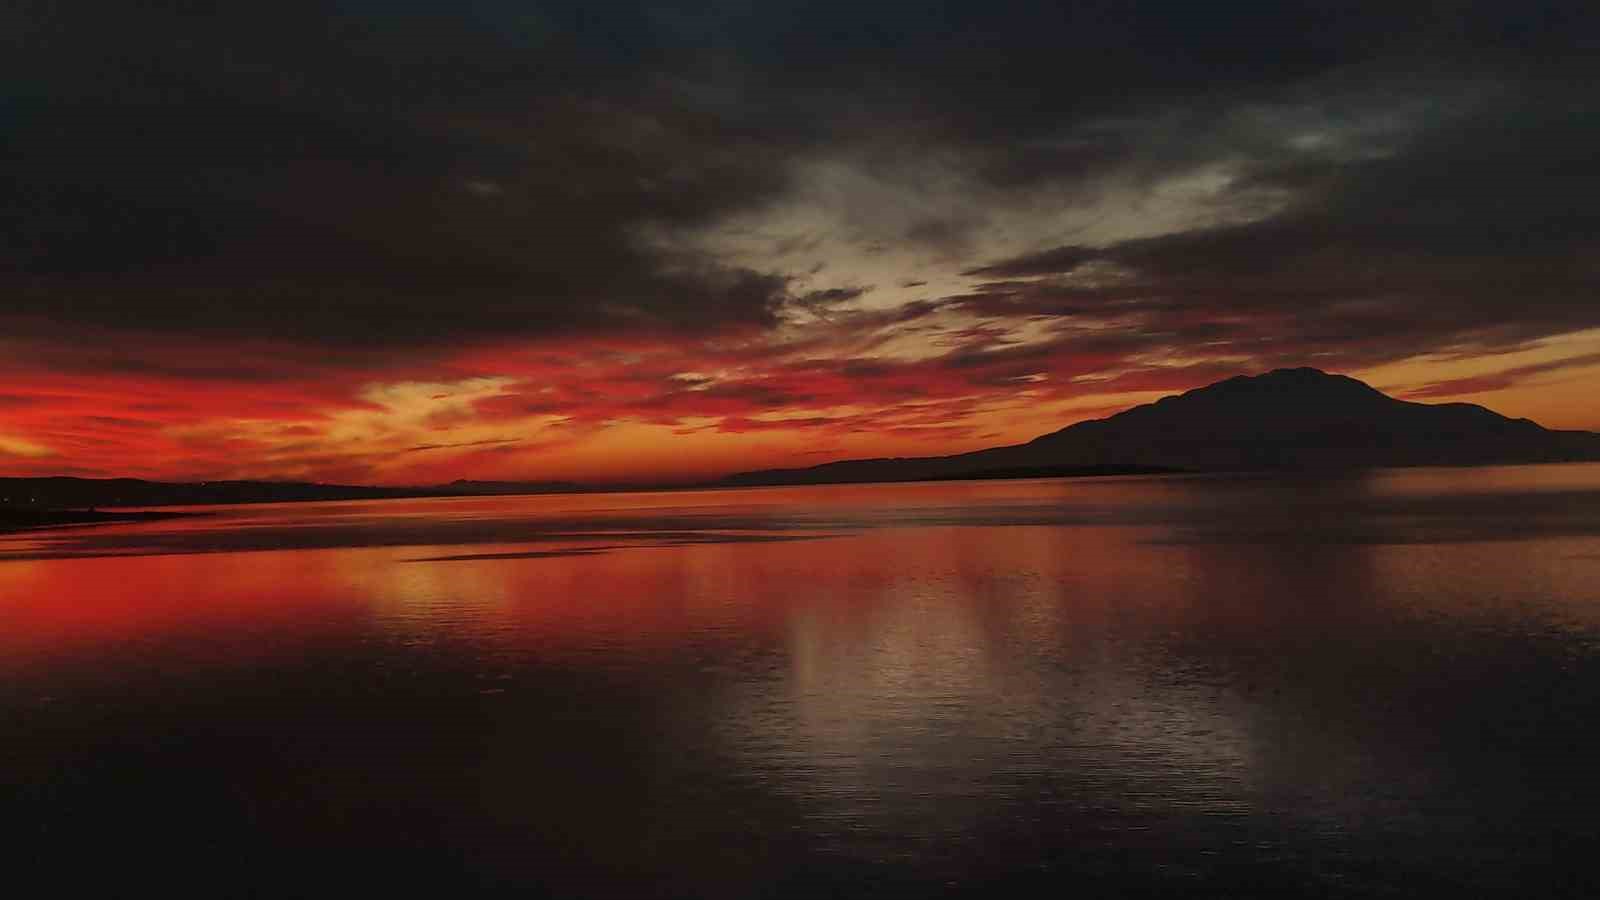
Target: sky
409, 241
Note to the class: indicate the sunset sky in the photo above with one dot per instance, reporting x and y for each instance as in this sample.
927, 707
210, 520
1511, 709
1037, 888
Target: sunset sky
407, 242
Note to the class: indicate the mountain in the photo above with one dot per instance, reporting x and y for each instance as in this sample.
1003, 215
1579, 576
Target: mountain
1285, 419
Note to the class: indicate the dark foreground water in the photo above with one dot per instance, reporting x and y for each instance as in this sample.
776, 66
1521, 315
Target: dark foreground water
1373, 685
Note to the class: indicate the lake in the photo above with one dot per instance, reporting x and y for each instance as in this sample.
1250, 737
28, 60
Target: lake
1363, 684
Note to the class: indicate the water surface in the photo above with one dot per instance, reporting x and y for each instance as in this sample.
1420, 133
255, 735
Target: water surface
1358, 685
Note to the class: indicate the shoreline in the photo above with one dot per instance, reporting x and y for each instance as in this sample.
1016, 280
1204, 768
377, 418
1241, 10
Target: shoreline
15, 520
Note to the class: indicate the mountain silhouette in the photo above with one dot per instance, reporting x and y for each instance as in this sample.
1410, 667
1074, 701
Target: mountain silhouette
1285, 419
67, 492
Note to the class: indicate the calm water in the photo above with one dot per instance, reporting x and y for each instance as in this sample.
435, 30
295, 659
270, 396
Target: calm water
1371, 685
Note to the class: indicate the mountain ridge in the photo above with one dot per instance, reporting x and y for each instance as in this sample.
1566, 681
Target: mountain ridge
1292, 418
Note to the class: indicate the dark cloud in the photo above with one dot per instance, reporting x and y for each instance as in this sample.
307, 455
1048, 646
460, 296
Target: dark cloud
1456, 387
1479, 234
826, 302
365, 174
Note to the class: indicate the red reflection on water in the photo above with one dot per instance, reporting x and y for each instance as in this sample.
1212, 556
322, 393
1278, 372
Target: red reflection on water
56, 606
637, 572
627, 591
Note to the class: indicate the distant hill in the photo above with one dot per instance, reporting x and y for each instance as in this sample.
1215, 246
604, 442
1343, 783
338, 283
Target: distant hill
1285, 419
63, 492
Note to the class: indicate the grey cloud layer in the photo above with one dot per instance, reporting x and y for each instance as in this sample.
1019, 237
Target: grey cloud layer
1478, 234
420, 174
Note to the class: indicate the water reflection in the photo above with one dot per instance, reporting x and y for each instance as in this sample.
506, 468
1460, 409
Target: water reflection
1365, 685
949, 705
